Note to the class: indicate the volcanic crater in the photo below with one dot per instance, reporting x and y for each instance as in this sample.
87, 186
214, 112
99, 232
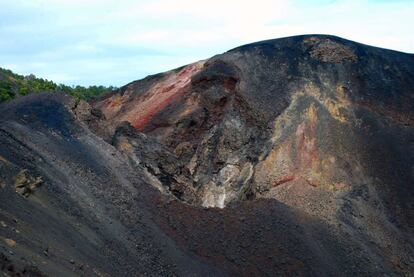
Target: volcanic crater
291, 156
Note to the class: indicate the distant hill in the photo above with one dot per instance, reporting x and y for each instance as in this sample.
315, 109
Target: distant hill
13, 85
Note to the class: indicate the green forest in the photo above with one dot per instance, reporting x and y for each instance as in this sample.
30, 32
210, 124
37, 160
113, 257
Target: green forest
13, 85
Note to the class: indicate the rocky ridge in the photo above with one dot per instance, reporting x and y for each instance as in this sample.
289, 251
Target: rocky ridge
288, 156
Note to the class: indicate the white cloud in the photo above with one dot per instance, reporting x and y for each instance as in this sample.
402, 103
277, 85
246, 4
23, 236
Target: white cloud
244, 12
80, 40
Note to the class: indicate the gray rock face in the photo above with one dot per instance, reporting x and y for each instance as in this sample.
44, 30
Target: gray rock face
283, 157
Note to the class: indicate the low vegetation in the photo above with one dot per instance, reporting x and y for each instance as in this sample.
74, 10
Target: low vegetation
13, 85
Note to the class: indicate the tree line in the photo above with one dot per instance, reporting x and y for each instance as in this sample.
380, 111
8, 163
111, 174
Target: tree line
13, 85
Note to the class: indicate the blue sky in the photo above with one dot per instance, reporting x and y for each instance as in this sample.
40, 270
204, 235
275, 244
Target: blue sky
113, 42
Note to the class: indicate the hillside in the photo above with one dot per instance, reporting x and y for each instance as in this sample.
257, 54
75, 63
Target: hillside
13, 85
291, 156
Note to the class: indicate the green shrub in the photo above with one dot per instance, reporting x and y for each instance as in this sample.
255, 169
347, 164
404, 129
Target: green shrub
6, 91
31, 84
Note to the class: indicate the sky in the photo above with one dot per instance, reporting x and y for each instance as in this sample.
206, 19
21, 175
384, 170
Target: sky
113, 42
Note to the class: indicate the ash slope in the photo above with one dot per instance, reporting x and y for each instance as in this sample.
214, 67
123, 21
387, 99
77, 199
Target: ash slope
306, 141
